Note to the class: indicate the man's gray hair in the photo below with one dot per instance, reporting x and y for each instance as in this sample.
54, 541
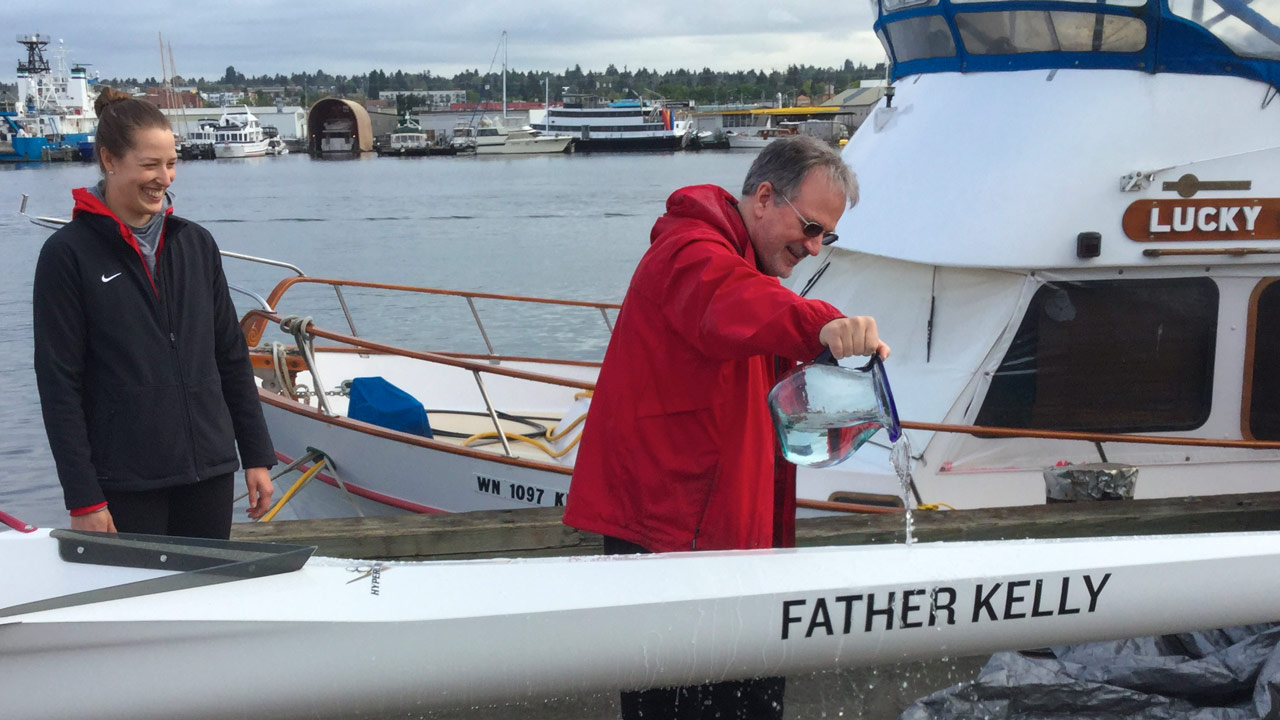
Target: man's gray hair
785, 162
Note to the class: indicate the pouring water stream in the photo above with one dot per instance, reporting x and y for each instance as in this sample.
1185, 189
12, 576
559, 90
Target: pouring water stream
823, 413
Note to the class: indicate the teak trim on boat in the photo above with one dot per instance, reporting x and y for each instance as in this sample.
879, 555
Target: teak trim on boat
466, 356
253, 330
442, 359
1004, 432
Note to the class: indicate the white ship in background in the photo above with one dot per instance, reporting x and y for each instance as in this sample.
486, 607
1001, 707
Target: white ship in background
54, 106
595, 124
238, 134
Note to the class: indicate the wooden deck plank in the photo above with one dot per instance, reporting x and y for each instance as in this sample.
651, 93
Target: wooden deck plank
538, 532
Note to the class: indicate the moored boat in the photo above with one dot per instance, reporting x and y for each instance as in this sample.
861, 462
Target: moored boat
129, 617
275, 144
238, 134
496, 431
756, 138
595, 124
409, 140
1067, 233
495, 139
55, 104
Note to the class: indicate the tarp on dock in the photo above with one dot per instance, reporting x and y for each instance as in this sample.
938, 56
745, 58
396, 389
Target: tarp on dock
1229, 674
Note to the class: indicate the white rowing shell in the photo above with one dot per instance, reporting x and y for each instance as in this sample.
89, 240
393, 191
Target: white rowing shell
342, 636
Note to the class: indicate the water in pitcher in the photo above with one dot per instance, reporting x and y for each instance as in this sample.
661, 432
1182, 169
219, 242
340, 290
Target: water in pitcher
823, 439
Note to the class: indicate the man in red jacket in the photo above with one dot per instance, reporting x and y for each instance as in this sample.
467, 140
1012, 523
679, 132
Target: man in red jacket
678, 452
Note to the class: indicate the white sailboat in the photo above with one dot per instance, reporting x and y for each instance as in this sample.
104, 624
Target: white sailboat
491, 136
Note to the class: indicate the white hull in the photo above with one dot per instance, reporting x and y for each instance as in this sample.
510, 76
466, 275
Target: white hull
738, 141
388, 472
378, 639
387, 477
240, 150
525, 146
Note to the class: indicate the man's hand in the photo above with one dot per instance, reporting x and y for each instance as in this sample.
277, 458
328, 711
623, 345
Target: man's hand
99, 521
852, 336
260, 490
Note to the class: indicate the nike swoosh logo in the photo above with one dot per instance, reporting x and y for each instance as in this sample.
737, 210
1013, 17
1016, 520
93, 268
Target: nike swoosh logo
106, 279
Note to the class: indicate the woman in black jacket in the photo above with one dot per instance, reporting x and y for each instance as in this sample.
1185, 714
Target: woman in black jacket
144, 376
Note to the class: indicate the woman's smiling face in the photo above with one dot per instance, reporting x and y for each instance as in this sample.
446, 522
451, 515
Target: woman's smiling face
136, 182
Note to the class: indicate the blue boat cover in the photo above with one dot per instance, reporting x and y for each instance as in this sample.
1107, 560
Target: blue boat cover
378, 402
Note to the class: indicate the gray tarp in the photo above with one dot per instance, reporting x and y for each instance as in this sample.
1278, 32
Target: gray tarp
1229, 674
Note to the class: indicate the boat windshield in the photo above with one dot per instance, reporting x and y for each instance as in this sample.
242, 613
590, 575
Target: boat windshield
1212, 37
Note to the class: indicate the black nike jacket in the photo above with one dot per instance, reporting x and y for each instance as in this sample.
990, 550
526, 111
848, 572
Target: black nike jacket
144, 380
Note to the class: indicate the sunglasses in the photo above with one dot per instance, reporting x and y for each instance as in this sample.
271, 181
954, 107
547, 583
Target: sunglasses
811, 229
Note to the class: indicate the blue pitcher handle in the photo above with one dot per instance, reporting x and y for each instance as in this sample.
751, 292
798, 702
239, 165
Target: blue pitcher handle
876, 367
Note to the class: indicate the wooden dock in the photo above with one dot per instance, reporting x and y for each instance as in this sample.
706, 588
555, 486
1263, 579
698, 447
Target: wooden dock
538, 532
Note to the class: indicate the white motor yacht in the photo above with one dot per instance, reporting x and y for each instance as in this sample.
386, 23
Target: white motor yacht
238, 134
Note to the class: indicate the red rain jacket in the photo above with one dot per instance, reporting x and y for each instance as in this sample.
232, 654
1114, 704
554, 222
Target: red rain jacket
678, 452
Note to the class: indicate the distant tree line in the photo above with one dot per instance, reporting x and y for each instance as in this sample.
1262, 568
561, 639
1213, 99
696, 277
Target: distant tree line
705, 86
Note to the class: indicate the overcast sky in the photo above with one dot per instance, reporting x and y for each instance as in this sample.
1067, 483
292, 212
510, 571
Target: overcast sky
118, 37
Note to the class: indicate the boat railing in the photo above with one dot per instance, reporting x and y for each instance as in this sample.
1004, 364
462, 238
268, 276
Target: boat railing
269, 304
253, 330
305, 332
51, 223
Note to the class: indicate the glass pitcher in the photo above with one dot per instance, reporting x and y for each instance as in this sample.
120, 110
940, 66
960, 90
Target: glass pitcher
823, 412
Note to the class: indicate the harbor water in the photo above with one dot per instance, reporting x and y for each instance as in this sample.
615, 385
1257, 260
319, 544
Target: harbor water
570, 226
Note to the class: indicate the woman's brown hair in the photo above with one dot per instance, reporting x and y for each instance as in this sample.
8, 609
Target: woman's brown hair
120, 116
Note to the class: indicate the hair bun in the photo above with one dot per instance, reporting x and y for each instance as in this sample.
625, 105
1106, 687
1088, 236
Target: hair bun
108, 96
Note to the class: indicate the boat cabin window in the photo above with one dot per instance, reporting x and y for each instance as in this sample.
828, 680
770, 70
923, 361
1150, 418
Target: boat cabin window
896, 5
921, 37
1262, 365
1109, 356
1020, 31
1248, 28
1056, 28
1024, 3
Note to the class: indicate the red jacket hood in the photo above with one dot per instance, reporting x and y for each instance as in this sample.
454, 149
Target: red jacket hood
707, 204
87, 202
